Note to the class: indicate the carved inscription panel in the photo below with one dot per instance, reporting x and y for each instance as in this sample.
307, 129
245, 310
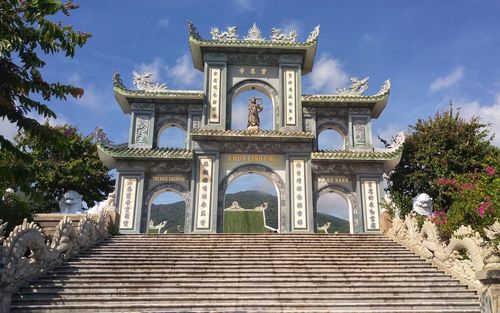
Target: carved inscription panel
127, 203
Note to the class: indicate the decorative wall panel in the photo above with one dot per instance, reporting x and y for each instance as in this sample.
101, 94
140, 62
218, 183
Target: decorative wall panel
204, 193
370, 204
127, 205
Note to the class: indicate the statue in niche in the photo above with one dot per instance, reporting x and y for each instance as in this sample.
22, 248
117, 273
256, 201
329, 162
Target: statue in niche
254, 108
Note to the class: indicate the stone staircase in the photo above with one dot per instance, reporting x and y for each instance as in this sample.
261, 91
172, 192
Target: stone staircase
246, 273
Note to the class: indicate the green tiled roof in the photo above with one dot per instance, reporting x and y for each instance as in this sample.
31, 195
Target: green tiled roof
122, 94
250, 133
198, 44
139, 153
381, 95
357, 155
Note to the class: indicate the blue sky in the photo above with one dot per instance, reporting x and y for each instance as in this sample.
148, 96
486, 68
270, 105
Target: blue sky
433, 52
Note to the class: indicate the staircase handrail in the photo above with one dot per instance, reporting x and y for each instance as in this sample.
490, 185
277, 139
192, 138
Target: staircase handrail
25, 253
478, 266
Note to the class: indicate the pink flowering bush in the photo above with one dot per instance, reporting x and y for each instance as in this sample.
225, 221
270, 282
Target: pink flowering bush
475, 200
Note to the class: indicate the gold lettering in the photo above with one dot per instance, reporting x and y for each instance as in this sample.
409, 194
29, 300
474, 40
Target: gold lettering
169, 178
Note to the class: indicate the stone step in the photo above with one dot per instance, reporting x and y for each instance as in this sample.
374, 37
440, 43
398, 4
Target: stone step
265, 294
250, 262
235, 269
112, 304
247, 309
285, 276
139, 289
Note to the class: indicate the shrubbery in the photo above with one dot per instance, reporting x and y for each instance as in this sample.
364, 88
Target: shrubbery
14, 208
451, 159
475, 200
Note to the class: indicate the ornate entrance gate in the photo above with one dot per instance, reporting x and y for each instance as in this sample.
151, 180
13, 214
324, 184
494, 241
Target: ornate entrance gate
215, 154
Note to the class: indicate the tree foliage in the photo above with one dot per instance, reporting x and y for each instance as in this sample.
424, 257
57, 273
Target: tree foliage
55, 171
440, 147
27, 30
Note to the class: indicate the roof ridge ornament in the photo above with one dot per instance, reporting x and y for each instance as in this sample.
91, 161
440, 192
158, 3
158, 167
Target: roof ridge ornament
358, 87
193, 31
313, 36
254, 33
229, 34
117, 79
146, 83
386, 87
278, 35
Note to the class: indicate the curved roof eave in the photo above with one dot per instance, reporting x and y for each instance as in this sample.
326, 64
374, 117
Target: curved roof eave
123, 95
377, 101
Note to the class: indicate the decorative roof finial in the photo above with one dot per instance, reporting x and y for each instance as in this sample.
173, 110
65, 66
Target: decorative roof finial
313, 35
117, 79
146, 83
358, 87
193, 32
254, 33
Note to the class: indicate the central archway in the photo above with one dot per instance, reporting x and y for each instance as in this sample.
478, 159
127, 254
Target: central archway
259, 170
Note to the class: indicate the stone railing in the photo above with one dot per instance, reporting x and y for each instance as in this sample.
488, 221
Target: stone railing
467, 256
25, 253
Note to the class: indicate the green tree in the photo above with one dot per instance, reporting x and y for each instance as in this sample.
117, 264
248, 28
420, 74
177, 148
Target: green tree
29, 29
56, 171
440, 147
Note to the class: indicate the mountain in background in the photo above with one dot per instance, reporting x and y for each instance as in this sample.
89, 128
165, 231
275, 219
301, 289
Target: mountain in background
174, 212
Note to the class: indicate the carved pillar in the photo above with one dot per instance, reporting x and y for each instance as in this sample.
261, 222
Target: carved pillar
490, 293
130, 188
300, 195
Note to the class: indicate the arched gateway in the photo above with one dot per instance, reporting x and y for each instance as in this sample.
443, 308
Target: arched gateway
215, 154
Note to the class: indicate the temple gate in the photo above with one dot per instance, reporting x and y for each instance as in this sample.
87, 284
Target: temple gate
215, 153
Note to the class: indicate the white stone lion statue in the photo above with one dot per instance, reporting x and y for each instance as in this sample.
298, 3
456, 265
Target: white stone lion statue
422, 204
71, 202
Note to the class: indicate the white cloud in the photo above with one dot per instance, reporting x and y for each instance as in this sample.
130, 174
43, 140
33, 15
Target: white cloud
184, 72
291, 24
154, 67
9, 130
333, 204
164, 22
328, 75
487, 114
244, 5
448, 80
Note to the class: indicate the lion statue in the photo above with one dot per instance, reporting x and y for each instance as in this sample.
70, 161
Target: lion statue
422, 204
71, 202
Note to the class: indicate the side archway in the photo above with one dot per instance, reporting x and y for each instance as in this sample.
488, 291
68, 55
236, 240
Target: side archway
253, 169
158, 190
350, 199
